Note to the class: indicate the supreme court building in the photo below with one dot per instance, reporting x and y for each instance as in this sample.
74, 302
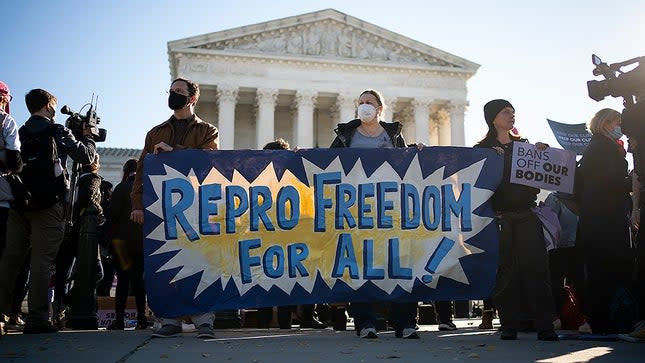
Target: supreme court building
297, 77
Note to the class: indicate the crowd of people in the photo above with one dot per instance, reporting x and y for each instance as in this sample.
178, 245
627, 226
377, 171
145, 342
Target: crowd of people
596, 264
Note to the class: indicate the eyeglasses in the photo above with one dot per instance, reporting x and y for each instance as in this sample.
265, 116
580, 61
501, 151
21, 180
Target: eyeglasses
6, 95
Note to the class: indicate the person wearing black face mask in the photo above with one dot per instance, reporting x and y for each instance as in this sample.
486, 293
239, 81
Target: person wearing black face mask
183, 130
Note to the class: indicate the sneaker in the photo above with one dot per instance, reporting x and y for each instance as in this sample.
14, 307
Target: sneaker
584, 328
508, 335
638, 335
410, 333
39, 329
116, 325
205, 331
167, 331
449, 326
142, 324
368, 333
548, 336
314, 323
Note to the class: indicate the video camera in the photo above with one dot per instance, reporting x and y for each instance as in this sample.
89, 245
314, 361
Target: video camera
629, 85
76, 121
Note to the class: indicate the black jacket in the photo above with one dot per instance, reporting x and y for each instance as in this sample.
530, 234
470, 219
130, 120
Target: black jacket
83, 151
345, 132
604, 198
510, 197
119, 215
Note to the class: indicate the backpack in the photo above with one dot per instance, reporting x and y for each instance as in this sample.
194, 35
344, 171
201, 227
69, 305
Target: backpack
571, 314
42, 172
623, 311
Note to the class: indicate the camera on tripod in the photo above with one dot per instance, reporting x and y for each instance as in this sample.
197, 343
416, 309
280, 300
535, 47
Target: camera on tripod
75, 122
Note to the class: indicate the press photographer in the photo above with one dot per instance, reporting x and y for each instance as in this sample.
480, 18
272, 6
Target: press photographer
630, 85
39, 224
78, 267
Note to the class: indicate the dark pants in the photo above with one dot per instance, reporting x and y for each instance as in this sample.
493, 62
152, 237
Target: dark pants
523, 272
109, 270
133, 276
42, 231
604, 276
444, 311
402, 315
566, 265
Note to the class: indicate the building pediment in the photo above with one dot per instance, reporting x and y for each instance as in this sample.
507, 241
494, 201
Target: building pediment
323, 35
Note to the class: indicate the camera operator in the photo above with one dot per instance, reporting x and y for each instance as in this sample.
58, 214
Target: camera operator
78, 257
41, 224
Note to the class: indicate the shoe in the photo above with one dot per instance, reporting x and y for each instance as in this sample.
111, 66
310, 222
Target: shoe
584, 328
39, 329
142, 324
117, 325
449, 326
409, 333
487, 320
314, 324
548, 336
508, 335
16, 321
368, 333
167, 331
205, 331
638, 335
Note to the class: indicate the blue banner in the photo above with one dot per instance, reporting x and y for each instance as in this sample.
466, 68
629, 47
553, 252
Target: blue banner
247, 228
572, 137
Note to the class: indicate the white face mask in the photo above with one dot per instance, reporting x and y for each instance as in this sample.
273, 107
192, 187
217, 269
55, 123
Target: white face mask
366, 112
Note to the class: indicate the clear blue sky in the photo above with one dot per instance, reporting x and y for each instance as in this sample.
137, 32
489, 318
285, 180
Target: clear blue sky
537, 54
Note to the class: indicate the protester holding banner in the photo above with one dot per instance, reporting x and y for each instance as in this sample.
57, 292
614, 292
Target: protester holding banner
308, 316
604, 219
523, 273
183, 130
369, 131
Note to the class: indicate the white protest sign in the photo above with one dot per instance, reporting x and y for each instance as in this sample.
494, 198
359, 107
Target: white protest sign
550, 169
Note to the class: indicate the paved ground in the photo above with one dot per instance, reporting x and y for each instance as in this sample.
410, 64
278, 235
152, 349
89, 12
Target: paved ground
307, 345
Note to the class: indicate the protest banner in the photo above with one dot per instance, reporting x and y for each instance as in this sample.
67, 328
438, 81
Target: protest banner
251, 228
572, 137
550, 169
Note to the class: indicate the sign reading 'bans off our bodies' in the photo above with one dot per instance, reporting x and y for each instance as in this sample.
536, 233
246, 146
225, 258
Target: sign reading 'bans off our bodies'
550, 169
235, 229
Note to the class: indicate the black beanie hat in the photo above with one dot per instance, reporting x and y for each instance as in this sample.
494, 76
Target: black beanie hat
492, 108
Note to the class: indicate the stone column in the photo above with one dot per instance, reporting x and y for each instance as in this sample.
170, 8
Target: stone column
265, 124
388, 115
457, 110
346, 107
305, 101
421, 121
226, 98
434, 131
406, 116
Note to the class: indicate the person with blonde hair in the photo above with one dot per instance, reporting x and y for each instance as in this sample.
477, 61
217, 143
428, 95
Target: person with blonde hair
604, 218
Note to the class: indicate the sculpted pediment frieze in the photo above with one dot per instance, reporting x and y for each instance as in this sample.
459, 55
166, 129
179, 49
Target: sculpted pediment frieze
327, 38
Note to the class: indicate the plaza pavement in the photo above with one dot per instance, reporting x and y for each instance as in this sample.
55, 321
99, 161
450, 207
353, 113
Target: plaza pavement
467, 344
